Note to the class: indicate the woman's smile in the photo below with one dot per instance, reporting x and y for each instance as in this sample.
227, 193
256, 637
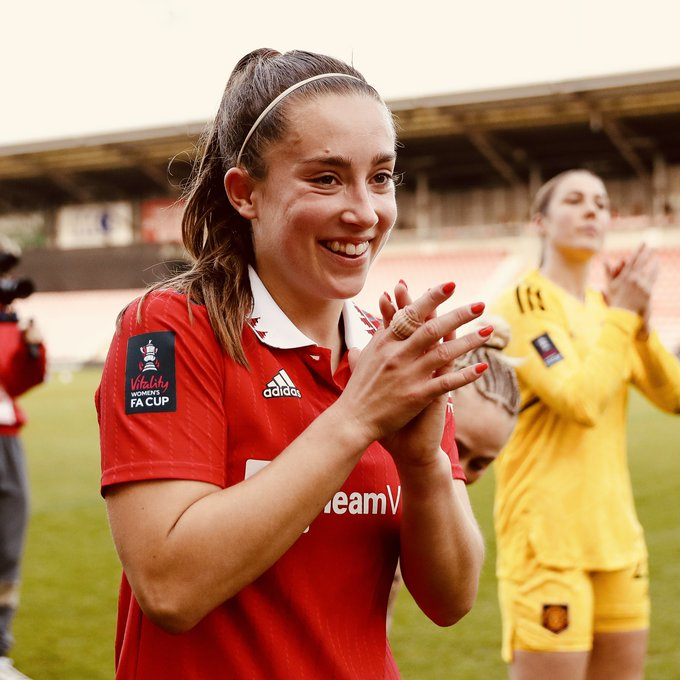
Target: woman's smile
348, 249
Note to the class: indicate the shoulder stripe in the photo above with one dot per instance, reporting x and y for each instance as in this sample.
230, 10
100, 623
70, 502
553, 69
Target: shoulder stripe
539, 299
529, 299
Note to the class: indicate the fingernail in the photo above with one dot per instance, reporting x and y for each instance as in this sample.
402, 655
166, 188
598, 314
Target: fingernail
448, 288
480, 368
477, 308
486, 331
403, 283
387, 295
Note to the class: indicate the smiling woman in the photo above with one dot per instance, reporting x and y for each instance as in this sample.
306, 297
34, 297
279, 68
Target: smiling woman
334, 204
288, 448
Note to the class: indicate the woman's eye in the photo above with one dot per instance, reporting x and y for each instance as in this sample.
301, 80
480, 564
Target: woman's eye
326, 180
385, 178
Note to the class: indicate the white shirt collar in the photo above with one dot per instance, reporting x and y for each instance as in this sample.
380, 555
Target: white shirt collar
272, 327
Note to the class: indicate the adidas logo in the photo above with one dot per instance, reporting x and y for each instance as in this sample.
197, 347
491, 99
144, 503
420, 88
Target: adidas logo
281, 386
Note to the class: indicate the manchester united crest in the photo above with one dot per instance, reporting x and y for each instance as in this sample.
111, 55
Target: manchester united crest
555, 617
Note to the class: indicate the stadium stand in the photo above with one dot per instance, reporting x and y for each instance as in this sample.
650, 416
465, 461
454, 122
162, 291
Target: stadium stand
96, 215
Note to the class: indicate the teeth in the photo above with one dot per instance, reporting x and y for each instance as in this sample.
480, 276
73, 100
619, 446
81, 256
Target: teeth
348, 248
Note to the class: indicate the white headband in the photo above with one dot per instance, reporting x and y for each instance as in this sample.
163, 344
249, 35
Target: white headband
284, 94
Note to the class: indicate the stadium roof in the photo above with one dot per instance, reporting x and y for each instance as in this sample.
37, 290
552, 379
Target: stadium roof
619, 126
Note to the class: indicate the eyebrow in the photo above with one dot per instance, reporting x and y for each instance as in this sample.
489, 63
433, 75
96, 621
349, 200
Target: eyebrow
344, 162
580, 193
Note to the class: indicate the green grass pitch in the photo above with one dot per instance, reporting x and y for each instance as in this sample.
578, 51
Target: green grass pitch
65, 627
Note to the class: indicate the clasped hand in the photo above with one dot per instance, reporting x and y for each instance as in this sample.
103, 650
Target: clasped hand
629, 282
399, 388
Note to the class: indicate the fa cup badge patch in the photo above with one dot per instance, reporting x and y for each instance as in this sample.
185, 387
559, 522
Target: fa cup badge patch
546, 348
150, 373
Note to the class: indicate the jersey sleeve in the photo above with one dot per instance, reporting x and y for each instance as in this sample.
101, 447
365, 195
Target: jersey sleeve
575, 386
160, 402
656, 373
25, 368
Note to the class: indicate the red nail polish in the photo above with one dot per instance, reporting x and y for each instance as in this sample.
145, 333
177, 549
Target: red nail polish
486, 331
480, 368
448, 288
478, 307
403, 283
387, 295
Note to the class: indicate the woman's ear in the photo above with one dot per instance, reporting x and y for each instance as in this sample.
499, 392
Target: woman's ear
239, 187
538, 224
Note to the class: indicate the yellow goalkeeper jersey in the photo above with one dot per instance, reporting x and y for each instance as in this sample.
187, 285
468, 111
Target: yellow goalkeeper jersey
563, 490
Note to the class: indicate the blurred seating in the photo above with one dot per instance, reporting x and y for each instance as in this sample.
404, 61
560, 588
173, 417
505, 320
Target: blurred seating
78, 325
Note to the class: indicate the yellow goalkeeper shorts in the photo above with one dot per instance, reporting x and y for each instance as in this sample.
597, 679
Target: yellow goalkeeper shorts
559, 610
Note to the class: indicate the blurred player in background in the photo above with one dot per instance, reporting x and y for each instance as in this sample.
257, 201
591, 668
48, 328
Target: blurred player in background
485, 410
572, 560
22, 366
268, 450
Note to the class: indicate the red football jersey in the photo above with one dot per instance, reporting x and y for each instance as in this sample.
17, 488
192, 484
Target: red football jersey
171, 404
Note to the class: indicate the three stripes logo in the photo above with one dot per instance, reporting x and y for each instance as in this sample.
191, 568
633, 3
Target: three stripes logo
281, 386
529, 299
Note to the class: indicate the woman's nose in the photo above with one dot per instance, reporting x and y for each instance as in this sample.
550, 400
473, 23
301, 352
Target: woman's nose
360, 209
